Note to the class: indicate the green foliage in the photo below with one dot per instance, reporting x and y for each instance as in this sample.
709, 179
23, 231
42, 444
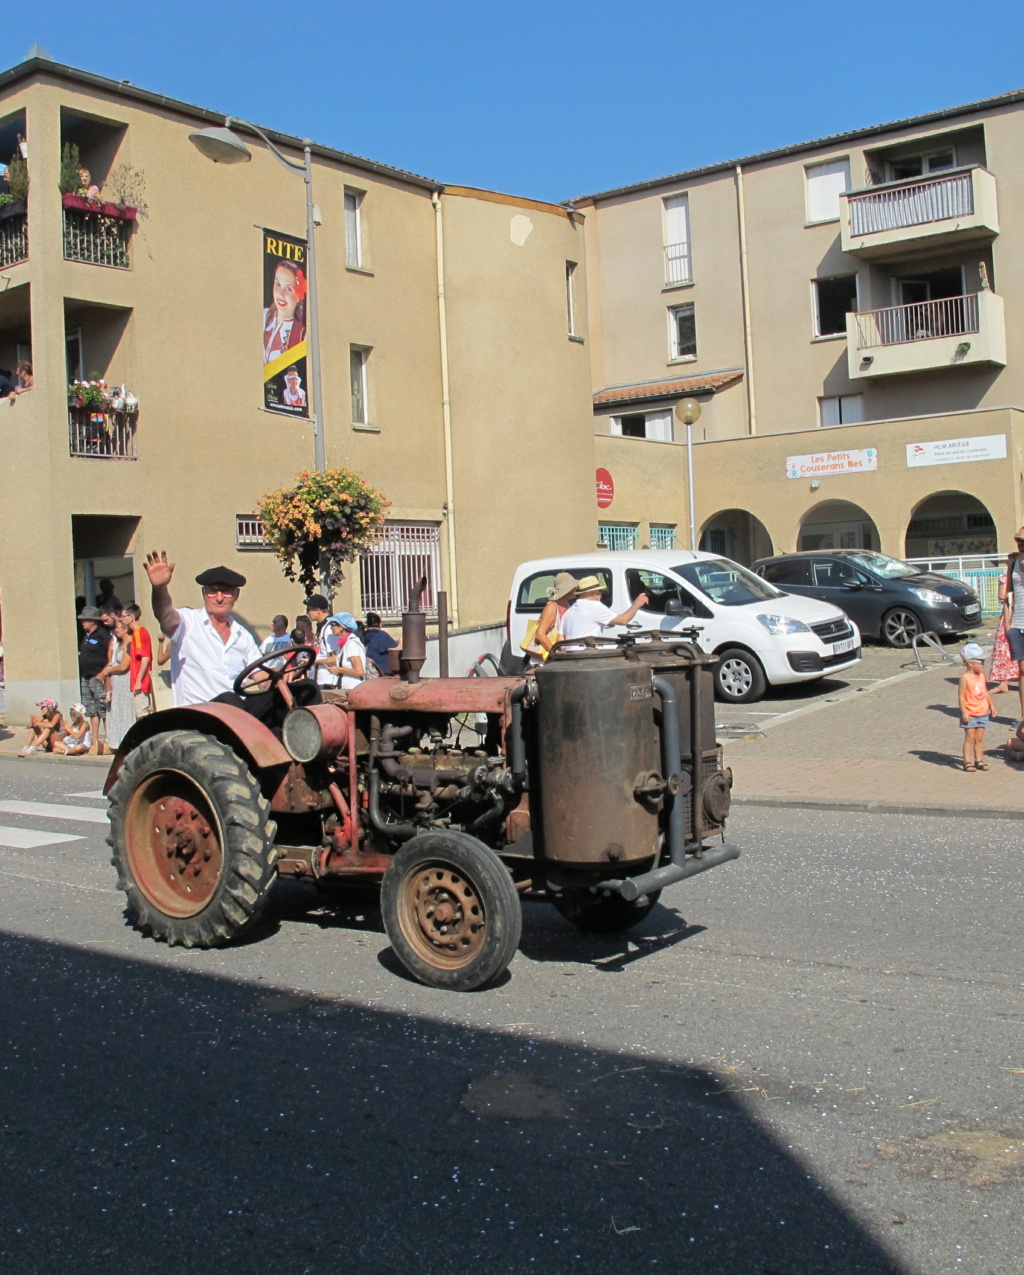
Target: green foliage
129, 187
17, 178
70, 164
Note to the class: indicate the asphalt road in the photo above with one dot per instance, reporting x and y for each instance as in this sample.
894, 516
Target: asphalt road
808, 1062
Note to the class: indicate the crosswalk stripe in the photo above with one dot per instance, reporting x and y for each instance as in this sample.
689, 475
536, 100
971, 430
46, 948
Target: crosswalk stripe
97, 793
49, 810
26, 839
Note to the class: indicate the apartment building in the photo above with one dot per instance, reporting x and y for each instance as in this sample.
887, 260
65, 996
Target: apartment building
848, 314
450, 336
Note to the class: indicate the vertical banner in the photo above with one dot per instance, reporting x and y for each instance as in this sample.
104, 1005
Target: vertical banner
285, 284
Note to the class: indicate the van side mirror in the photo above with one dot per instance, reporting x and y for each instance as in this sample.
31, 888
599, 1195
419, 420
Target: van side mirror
676, 607
853, 584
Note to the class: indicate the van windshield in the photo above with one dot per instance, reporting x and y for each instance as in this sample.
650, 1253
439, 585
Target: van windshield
727, 583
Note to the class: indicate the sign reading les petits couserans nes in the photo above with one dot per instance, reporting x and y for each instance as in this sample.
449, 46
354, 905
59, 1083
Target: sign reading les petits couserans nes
951, 451
821, 464
605, 489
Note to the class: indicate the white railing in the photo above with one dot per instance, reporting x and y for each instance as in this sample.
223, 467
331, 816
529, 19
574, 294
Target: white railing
915, 203
919, 321
95, 239
678, 268
403, 554
13, 239
106, 435
249, 532
979, 571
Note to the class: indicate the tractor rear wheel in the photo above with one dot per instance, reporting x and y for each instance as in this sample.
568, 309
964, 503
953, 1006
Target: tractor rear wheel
451, 911
192, 840
597, 914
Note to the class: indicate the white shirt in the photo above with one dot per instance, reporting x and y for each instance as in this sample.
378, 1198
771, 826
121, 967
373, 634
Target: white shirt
585, 618
202, 664
325, 651
352, 647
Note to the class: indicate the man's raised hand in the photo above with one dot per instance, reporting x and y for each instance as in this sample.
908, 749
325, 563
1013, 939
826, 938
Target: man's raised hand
158, 568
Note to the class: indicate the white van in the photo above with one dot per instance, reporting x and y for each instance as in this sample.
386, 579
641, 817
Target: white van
763, 637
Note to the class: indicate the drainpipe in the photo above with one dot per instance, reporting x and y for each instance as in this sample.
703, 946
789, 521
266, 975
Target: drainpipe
748, 343
446, 411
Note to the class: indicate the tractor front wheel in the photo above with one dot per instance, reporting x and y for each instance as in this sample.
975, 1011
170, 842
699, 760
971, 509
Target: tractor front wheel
451, 911
192, 840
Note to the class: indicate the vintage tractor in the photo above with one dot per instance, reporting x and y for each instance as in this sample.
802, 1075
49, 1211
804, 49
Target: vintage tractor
593, 783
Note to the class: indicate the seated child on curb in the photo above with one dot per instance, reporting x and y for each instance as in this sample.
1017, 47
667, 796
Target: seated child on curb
976, 706
43, 728
77, 737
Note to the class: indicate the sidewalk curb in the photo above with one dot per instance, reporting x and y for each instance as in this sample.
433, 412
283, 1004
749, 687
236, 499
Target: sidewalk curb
882, 807
71, 763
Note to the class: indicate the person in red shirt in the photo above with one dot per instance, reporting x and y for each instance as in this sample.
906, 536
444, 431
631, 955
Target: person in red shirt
140, 660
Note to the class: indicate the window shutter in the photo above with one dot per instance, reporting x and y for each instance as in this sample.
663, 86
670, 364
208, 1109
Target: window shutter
825, 183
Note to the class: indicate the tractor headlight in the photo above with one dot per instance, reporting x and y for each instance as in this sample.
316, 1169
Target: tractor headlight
777, 625
303, 735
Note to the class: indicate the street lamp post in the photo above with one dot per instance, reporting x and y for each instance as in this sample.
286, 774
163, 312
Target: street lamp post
224, 147
688, 412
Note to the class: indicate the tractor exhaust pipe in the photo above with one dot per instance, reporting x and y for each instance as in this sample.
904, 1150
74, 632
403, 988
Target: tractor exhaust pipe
632, 888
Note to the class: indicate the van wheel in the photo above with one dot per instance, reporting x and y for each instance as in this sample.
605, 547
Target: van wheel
739, 677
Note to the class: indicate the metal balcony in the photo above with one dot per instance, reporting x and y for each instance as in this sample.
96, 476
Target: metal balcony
678, 267
927, 335
13, 236
922, 214
101, 435
95, 239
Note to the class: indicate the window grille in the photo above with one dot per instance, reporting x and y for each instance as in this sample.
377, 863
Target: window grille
249, 532
663, 537
98, 240
403, 554
616, 535
13, 240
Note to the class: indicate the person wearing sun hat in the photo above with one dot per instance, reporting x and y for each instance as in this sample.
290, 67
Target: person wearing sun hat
976, 707
588, 615
209, 648
76, 737
43, 728
561, 596
349, 661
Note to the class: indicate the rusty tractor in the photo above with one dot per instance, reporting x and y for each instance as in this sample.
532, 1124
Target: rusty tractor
593, 782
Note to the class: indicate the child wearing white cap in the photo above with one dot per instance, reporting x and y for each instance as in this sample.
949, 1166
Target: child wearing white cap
976, 707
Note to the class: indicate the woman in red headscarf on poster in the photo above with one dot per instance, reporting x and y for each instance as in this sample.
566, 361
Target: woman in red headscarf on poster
284, 320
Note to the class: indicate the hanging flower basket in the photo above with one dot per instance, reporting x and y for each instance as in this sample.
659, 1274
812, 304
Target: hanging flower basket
100, 207
325, 520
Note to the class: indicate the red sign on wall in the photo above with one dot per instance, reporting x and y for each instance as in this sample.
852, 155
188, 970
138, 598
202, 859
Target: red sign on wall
605, 489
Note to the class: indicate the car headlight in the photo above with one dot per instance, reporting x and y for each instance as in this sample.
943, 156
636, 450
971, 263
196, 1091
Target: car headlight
777, 625
930, 596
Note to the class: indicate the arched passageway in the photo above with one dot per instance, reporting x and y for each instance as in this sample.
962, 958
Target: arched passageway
951, 522
736, 534
837, 524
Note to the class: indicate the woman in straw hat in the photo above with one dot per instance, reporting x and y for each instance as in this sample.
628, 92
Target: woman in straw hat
561, 596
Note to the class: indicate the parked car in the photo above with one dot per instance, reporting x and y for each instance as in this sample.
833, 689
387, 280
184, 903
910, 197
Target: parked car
886, 598
763, 637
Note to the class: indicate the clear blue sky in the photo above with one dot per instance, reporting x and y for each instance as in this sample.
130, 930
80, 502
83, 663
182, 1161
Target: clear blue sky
544, 98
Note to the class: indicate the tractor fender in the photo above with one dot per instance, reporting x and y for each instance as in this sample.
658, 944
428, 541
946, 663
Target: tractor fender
226, 722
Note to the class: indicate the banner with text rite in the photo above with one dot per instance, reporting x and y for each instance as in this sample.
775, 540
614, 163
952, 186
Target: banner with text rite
285, 284
822, 464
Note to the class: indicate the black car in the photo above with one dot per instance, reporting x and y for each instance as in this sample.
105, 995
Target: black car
885, 597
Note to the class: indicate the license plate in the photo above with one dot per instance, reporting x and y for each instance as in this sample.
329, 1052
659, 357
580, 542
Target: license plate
840, 648
972, 609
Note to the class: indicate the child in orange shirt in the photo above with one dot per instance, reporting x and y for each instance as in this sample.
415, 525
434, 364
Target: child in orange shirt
976, 706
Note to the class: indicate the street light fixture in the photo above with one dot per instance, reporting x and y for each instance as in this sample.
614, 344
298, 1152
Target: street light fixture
688, 412
224, 146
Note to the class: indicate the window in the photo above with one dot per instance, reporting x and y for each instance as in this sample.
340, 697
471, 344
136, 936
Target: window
249, 532
782, 573
683, 331
73, 348
570, 296
676, 230
833, 573
663, 536
833, 299
358, 357
844, 409
726, 583
616, 535
354, 228
403, 553
921, 165
656, 426
659, 589
533, 592
825, 183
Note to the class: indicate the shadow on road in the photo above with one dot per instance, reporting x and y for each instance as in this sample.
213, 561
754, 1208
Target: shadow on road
164, 1120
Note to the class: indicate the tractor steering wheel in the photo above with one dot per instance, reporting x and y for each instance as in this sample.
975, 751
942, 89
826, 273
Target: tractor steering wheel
275, 676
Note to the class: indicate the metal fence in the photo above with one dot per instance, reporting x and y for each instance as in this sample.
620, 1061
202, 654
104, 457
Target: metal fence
403, 554
663, 537
95, 239
919, 321
107, 435
678, 268
979, 571
616, 535
13, 240
913, 204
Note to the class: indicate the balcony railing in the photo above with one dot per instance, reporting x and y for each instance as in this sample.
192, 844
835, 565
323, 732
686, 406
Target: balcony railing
920, 321
894, 207
103, 435
13, 239
678, 268
96, 239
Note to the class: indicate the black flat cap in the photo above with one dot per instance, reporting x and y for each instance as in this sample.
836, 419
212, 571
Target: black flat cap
318, 602
221, 575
